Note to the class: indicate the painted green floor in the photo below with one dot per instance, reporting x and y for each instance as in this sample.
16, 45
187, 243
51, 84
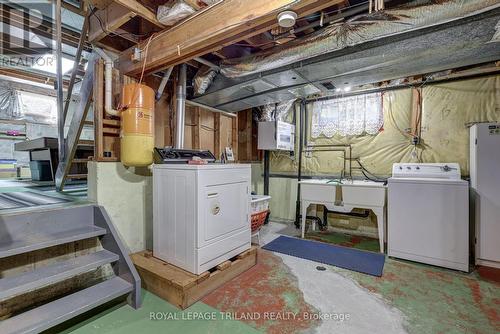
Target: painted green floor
346, 240
433, 301
436, 300
123, 319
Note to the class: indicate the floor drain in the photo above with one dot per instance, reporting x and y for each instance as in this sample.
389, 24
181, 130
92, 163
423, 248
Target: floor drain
320, 268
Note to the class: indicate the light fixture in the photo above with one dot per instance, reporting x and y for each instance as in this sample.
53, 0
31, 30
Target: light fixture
347, 89
287, 19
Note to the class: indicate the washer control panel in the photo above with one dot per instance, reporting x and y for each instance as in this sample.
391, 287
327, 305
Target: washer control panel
426, 170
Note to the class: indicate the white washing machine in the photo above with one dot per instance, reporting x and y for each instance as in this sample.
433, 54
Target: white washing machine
428, 214
201, 214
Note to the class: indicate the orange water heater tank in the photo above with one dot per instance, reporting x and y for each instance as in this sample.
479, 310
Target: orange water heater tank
137, 141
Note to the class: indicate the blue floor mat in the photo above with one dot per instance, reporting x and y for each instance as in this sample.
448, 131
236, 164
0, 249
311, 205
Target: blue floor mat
343, 257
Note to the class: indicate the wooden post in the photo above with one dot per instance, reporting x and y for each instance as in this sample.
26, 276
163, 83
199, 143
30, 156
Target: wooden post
234, 136
196, 128
217, 134
416, 112
98, 109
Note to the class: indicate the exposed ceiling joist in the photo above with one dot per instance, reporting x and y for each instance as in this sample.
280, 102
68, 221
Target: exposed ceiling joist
141, 10
110, 18
48, 79
205, 32
195, 4
72, 8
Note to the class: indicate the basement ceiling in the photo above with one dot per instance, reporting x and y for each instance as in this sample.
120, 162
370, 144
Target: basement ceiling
463, 42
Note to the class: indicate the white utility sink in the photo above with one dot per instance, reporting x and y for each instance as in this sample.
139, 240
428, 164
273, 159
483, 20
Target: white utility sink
354, 194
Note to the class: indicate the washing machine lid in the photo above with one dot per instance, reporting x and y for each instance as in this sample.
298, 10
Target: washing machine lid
446, 171
443, 182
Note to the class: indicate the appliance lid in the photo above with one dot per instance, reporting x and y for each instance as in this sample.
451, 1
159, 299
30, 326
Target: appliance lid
449, 171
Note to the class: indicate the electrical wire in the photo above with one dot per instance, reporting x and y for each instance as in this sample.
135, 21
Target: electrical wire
93, 10
372, 176
136, 90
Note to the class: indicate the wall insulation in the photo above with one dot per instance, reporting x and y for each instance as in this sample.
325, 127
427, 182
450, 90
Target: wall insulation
446, 109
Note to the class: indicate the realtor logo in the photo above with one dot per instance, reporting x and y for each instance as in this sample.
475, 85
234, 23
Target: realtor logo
27, 32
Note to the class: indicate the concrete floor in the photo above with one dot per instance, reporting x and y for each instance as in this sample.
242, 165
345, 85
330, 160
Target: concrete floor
283, 294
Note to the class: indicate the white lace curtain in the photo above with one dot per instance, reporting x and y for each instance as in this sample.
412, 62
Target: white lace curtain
347, 116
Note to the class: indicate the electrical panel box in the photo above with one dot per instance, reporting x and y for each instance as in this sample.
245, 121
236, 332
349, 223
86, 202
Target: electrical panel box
276, 135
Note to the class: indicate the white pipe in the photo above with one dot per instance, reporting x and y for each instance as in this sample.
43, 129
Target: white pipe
108, 82
196, 104
181, 107
163, 83
206, 62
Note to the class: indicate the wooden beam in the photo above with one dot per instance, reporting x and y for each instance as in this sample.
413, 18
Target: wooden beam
141, 10
196, 128
206, 32
25, 74
416, 112
73, 9
217, 134
111, 17
197, 5
234, 136
98, 109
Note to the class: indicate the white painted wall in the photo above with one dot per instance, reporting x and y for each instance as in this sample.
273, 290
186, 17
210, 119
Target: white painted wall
126, 194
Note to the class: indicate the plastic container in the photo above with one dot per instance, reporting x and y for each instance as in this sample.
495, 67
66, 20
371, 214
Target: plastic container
259, 211
259, 203
258, 219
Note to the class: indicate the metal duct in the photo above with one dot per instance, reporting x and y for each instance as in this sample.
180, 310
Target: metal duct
357, 30
181, 107
456, 41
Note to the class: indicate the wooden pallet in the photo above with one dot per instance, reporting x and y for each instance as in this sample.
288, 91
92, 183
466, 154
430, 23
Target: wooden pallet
182, 288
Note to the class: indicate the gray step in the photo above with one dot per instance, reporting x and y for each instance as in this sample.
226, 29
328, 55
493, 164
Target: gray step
60, 310
34, 242
60, 271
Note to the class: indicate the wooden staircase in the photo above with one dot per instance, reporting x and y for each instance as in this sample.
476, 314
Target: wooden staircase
59, 263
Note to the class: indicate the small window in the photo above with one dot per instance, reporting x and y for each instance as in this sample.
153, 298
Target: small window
38, 108
347, 116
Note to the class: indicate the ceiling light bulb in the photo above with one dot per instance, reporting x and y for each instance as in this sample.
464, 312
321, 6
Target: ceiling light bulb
287, 19
347, 89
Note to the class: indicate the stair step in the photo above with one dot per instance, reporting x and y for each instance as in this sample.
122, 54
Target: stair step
39, 241
77, 176
60, 271
60, 310
80, 161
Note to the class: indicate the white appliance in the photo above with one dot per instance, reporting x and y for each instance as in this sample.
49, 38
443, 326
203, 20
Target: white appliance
201, 214
276, 135
428, 214
485, 184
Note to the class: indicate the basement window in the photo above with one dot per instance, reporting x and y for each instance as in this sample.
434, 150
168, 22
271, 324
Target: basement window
37, 108
347, 116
